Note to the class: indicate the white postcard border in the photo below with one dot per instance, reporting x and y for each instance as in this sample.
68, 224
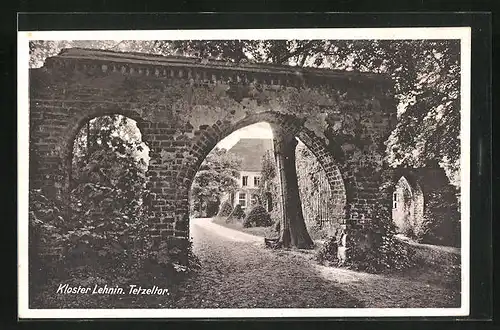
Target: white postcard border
462, 33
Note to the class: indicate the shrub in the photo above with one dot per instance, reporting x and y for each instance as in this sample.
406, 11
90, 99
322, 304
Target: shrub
384, 252
46, 226
328, 252
62, 250
236, 214
374, 247
225, 209
257, 217
175, 256
441, 219
103, 232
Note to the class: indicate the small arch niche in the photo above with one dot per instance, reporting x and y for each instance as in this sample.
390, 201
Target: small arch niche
407, 207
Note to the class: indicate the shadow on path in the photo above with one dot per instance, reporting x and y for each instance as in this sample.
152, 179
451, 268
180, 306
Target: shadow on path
236, 274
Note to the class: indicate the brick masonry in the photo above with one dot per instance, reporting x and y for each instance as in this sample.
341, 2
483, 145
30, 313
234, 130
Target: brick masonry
430, 194
185, 106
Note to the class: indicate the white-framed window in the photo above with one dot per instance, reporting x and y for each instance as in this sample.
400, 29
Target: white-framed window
256, 181
242, 199
394, 200
244, 181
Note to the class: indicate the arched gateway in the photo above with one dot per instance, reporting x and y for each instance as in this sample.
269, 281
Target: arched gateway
184, 106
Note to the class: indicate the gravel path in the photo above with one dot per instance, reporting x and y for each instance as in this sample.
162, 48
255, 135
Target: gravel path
239, 273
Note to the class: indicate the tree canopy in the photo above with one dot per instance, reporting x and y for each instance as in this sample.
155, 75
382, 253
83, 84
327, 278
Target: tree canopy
426, 75
217, 174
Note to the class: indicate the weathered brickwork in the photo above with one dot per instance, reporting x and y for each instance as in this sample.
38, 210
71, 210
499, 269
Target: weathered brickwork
185, 106
432, 195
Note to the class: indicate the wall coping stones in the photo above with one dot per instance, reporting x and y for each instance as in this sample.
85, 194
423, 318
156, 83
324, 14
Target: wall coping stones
192, 67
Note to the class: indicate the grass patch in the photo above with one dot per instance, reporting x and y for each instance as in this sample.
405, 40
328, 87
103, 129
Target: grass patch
435, 267
267, 232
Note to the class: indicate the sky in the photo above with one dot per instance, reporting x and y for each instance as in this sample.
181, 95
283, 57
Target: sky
259, 130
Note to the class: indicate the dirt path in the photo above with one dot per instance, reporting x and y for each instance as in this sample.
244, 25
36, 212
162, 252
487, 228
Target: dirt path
238, 272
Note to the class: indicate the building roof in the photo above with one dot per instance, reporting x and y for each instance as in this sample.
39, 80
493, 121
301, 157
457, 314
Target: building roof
251, 152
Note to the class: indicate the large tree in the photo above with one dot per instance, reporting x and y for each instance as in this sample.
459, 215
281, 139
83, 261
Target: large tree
426, 79
426, 74
293, 231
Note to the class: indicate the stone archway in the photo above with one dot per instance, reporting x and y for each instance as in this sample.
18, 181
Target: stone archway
185, 106
286, 122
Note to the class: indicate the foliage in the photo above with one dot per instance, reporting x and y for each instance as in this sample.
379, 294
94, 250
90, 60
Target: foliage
237, 51
107, 196
441, 219
328, 251
269, 184
236, 214
104, 223
257, 217
41, 49
384, 252
212, 208
268, 170
427, 83
426, 74
177, 254
104, 231
218, 174
46, 226
225, 209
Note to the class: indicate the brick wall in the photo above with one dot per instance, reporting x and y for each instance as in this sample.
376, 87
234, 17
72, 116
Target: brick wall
184, 108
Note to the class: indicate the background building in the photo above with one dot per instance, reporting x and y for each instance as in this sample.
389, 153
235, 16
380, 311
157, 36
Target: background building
251, 151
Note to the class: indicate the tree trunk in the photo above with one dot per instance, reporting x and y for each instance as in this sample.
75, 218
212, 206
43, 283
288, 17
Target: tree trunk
88, 138
293, 230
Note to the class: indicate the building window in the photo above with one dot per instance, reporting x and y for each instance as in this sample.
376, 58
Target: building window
394, 200
244, 181
242, 200
256, 181
269, 201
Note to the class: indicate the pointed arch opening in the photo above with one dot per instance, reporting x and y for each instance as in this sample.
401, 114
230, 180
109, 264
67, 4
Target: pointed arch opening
407, 207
